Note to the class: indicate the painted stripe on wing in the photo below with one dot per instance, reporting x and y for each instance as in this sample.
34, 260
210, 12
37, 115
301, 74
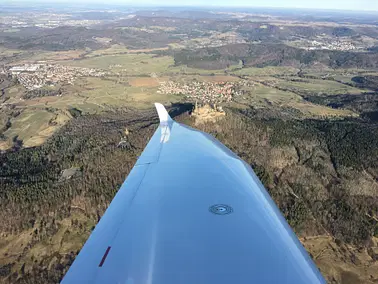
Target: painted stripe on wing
104, 257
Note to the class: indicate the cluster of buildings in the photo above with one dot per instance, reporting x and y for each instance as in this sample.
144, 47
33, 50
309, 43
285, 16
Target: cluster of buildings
43, 20
12, 22
35, 76
202, 92
74, 23
331, 45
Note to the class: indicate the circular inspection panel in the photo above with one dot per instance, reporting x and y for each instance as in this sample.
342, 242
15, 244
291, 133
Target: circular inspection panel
221, 209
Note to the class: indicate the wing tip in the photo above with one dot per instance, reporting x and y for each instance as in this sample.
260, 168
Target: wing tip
163, 114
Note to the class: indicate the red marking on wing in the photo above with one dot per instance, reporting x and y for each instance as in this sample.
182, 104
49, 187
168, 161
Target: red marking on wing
104, 257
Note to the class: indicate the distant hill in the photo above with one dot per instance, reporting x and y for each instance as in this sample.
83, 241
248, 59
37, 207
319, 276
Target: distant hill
261, 55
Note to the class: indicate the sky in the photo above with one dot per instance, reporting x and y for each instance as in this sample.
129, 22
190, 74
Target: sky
370, 5
367, 5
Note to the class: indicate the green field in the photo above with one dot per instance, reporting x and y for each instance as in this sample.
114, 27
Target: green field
266, 71
319, 87
91, 94
127, 64
183, 69
261, 96
9, 52
29, 125
113, 50
11, 30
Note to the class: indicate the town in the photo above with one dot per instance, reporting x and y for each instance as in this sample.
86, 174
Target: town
35, 76
333, 45
11, 23
325, 43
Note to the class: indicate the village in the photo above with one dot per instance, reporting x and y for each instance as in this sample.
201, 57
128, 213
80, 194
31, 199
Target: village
333, 45
35, 76
203, 92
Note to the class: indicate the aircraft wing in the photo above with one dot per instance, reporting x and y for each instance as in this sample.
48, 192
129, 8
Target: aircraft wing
191, 212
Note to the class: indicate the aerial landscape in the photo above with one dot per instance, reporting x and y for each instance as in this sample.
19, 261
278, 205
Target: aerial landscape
293, 92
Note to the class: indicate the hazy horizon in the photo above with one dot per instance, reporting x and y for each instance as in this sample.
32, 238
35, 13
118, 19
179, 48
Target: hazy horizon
353, 5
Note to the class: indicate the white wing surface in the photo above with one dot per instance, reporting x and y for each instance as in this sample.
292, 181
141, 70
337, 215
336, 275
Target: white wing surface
191, 212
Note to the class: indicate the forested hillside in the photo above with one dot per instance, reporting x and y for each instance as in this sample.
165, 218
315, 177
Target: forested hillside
272, 54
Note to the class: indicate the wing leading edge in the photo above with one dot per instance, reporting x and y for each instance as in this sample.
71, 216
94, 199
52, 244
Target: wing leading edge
191, 211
